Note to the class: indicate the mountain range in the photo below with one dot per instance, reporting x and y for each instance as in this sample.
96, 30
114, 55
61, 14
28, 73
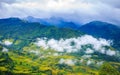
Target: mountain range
95, 28
103, 30
34, 46
24, 30
54, 21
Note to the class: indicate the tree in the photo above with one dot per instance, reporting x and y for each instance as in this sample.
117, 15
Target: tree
1, 48
108, 69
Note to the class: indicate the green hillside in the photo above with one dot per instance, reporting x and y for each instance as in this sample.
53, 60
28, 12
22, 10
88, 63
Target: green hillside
103, 30
24, 32
48, 63
35, 49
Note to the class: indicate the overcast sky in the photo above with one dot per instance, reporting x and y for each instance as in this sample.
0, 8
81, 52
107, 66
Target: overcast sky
79, 11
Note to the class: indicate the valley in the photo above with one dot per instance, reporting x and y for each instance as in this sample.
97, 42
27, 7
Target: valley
31, 48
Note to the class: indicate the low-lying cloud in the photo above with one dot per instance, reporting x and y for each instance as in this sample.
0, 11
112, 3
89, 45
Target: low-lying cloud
111, 53
72, 62
89, 43
5, 49
7, 42
67, 61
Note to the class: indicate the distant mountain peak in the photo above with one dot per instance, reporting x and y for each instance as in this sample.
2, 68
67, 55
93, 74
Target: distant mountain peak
54, 21
103, 30
11, 18
29, 17
98, 23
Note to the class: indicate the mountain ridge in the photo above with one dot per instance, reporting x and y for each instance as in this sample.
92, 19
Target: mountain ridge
103, 30
54, 21
31, 48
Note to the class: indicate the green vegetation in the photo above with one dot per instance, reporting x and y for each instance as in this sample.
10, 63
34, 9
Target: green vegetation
104, 30
20, 56
24, 32
45, 62
108, 69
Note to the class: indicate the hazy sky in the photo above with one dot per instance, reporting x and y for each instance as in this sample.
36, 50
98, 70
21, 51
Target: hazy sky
79, 11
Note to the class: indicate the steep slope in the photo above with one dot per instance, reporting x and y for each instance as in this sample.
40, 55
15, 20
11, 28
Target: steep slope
103, 30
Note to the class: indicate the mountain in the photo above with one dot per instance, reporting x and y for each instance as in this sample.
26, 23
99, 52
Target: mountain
23, 28
54, 21
103, 30
95, 28
31, 48
20, 29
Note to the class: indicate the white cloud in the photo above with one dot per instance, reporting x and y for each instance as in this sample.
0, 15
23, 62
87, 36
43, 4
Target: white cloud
110, 52
89, 62
66, 45
89, 51
99, 63
55, 54
35, 52
67, 61
86, 56
61, 61
102, 51
7, 42
41, 42
5, 49
80, 11
70, 62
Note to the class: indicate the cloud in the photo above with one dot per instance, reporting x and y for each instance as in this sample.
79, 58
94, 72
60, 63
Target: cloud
86, 56
7, 1
61, 61
111, 53
41, 42
102, 51
55, 54
89, 62
67, 61
35, 52
99, 63
7, 42
5, 49
79, 11
114, 3
90, 43
3, 2
89, 51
